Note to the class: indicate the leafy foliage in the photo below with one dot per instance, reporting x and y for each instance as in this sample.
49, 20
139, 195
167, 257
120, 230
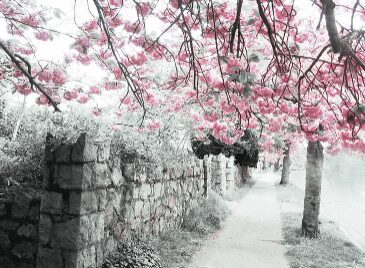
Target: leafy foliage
207, 215
245, 150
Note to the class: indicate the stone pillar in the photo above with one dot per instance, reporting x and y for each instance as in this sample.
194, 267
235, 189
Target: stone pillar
207, 170
71, 227
230, 173
219, 174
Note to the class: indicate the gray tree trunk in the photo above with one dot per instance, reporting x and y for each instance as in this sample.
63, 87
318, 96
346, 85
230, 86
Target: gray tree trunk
286, 166
277, 165
242, 176
312, 199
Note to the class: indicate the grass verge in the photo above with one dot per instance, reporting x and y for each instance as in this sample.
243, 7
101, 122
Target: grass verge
177, 247
331, 250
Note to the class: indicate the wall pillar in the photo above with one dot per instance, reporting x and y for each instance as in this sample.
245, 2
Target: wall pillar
219, 174
71, 227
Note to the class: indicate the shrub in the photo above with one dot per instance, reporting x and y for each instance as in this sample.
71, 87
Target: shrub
207, 215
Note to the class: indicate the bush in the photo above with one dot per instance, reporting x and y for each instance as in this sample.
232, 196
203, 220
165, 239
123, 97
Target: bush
22, 158
207, 215
137, 253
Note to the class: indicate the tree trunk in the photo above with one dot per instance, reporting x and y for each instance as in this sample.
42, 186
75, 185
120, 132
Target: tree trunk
286, 166
19, 121
243, 175
277, 165
312, 199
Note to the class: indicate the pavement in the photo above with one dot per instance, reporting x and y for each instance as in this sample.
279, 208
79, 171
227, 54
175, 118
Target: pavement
251, 237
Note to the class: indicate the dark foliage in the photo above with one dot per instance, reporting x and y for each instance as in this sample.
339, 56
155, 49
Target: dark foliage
245, 151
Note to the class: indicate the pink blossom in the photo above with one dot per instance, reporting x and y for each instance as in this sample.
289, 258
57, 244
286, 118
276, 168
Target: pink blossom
154, 125
42, 35
70, 95
301, 38
116, 3
218, 128
139, 59
41, 100
157, 55
117, 73
84, 42
313, 112
90, 25
264, 91
132, 28
25, 50
115, 22
182, 56
84, 59
211, 118
83, 99
275, 124
59, 77
151, 99
118, 113
94, 90
97, 111
31, 20
105, 54
126, 100
143, 9
138, 41
227, 140
111, 85
23, 89
45, 75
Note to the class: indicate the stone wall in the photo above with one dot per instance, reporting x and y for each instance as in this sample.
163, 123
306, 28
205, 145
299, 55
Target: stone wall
90, 200
19, 218
150, 202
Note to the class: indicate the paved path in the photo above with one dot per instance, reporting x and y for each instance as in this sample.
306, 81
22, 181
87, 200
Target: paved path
251, 236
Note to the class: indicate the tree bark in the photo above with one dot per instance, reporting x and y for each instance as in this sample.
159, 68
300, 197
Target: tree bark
286, 166
312, 199
243, 175
277, 165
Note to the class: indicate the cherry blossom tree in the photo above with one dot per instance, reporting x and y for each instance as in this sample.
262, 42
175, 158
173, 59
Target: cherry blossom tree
230, 66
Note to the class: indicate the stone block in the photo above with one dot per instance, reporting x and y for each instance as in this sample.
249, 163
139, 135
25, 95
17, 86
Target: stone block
99, 252
45, 229
9, 225
102, 201
103, 151
129, 172
84, 150
111, 244
20, 207
51, 203
128, 213
62, 153
138, 206
145, 191
27, 231
75, 177
80, 258
101, 176
117, 178
49, 258
2, 209
83, 202
79, 232
34, 212
25, 250
4, 241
